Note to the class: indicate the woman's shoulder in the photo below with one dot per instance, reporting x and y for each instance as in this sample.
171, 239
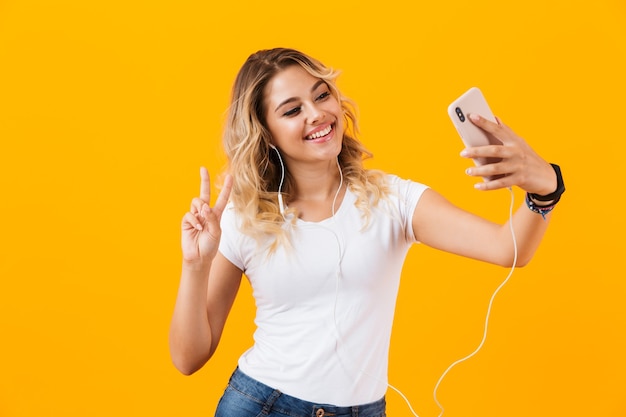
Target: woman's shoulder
397, 182
230, 220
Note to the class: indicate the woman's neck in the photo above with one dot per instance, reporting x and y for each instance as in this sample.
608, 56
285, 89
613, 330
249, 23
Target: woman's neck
316, 190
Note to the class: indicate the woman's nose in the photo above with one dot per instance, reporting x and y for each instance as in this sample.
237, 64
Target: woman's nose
315, 114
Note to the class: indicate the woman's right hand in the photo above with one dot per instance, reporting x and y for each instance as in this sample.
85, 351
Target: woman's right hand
201, 229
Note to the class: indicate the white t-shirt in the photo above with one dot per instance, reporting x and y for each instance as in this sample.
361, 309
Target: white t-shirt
325, 306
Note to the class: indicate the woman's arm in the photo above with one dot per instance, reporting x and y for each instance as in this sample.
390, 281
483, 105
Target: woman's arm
205, 296
440, 224
208, 283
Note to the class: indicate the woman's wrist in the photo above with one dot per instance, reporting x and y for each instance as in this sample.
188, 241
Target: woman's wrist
196, 266
544, 204
540, 203
556, 194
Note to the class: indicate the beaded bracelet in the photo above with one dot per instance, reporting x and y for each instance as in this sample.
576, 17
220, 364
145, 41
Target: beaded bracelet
543, 210
552, 198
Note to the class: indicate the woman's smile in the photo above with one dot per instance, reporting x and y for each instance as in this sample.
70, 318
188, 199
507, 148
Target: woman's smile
321, 134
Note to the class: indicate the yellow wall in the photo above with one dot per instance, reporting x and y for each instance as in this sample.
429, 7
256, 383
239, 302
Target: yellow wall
108, 108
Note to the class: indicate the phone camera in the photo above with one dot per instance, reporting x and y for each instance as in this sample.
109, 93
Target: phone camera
460, 114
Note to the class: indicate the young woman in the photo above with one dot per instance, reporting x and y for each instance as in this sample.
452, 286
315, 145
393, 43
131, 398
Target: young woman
322, 241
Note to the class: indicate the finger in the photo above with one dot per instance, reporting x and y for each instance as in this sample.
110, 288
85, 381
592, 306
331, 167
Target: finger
496, 184
190, 221
205, 185
484, 123
222, 200
488, 154
207, 213
196, 205
490, 170
212, 221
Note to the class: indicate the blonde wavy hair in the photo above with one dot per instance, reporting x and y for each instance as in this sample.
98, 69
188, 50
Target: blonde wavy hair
255, 167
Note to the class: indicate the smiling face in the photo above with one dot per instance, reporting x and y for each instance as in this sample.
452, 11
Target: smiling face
304, 118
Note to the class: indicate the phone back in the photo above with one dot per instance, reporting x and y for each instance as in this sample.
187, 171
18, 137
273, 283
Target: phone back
473, 101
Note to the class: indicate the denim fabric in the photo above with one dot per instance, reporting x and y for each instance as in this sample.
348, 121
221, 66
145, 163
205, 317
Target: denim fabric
247, 397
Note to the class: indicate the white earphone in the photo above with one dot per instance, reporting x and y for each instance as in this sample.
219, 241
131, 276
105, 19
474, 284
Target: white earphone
281, 205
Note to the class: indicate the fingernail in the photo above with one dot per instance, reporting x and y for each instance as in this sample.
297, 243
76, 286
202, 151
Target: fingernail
468, 171
474, 117
199, 227
464, 153
479, 186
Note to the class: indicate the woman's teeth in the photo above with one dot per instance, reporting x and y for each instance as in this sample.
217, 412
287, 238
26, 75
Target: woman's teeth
320, 133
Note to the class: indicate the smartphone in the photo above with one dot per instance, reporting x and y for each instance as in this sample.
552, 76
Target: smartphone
473, 101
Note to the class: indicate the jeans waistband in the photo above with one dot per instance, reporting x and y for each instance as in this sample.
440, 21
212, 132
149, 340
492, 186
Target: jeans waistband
294, 406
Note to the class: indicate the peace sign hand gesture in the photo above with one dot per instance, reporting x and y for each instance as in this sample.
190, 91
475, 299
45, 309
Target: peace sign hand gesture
201, 230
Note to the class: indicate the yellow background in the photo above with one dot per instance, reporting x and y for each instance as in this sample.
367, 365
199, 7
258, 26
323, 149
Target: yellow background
108, 108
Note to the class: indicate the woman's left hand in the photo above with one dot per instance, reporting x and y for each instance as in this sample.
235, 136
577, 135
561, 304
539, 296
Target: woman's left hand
519, 165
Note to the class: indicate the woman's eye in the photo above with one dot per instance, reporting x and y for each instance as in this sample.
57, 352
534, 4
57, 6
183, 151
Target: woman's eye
292, 112
324, 95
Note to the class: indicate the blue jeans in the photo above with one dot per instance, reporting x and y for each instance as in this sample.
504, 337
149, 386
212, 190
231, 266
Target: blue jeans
247, 397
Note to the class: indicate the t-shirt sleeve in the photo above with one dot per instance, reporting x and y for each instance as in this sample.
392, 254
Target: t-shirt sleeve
231, 240
409, 193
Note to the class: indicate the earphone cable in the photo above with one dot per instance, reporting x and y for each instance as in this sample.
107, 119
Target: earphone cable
493, 296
